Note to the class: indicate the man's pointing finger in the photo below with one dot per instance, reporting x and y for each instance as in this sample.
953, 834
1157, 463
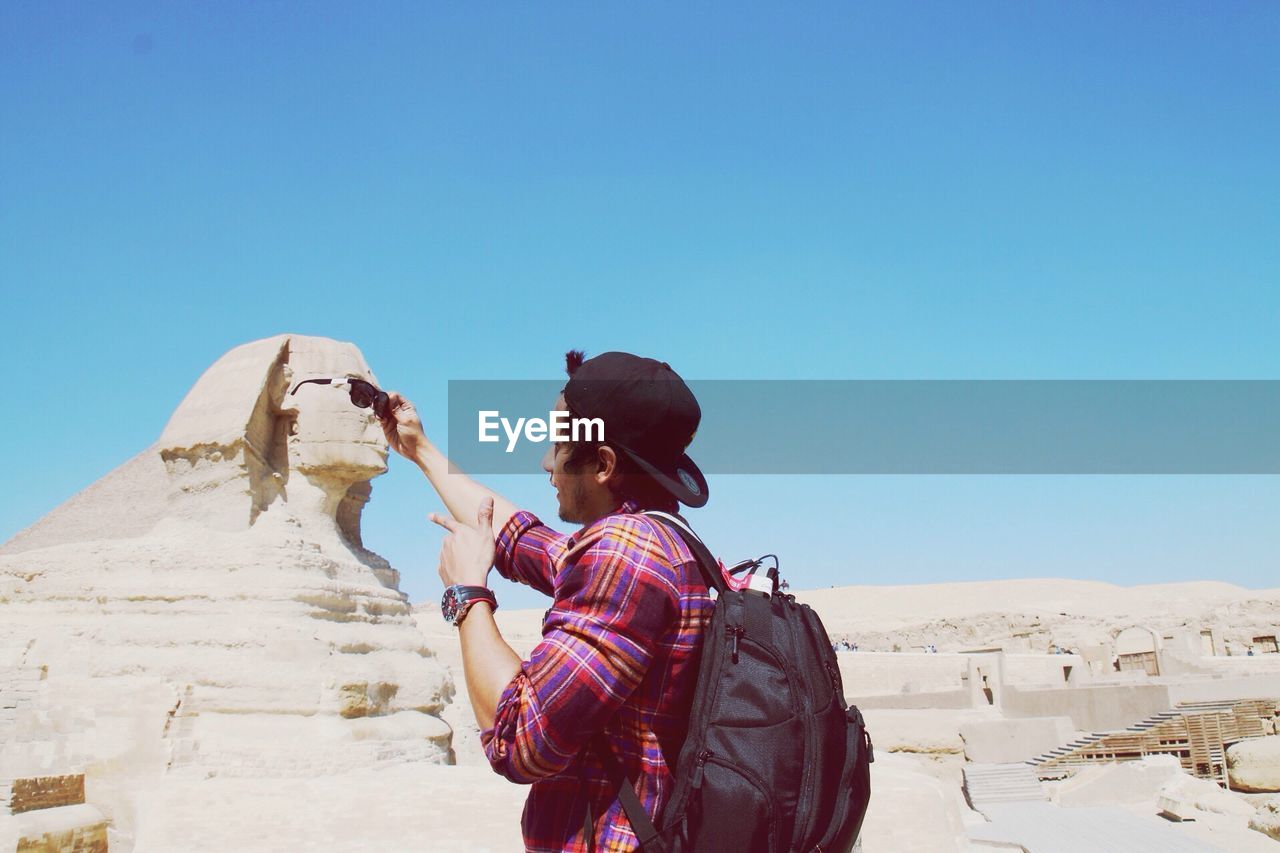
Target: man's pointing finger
447, 523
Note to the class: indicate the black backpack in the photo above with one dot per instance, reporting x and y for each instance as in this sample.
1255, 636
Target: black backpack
775, 760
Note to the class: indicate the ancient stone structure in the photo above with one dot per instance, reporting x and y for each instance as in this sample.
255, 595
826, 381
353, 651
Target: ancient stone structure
209, 607
1200, 735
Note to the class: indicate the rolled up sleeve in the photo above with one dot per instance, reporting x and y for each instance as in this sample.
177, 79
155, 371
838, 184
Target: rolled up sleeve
613, 608
525, 551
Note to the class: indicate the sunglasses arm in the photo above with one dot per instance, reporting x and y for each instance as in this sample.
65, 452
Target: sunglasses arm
327, 381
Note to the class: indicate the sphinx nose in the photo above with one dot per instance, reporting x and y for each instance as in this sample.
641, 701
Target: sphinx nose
373, 430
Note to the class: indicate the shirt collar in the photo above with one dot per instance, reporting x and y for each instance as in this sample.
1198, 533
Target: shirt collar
627, 506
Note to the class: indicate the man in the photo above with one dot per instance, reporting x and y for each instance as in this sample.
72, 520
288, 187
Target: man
618, 661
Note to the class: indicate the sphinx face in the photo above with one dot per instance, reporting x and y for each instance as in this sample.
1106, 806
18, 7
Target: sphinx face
330, 438
240, 434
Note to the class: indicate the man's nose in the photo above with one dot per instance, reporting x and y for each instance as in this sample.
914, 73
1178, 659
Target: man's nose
548, 458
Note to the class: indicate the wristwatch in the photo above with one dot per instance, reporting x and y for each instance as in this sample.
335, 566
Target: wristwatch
459, 598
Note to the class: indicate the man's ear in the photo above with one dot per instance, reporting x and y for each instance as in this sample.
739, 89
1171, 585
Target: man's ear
607, 458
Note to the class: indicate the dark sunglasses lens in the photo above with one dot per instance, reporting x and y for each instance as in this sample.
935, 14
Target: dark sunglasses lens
382, 405
362, 394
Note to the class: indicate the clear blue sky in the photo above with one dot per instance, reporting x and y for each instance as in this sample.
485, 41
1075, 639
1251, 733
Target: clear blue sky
743, 190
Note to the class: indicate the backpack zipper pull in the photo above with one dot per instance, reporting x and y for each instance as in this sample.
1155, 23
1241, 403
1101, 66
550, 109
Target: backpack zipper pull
697, 770
734, 631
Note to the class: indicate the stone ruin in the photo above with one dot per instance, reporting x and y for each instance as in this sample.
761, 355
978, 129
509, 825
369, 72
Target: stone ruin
209, 609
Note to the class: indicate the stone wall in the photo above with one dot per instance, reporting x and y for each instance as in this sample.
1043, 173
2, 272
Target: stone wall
1091, 707
1241, 686
1045, 670
953, 700
887, 673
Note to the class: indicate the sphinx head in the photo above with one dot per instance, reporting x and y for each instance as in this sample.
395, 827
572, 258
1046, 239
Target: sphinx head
240, 445
331, 439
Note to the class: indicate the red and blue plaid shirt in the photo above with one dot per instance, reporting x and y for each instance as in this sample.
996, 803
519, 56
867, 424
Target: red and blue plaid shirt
619, 654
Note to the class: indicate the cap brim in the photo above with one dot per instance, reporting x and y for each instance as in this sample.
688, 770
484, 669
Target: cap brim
684, 481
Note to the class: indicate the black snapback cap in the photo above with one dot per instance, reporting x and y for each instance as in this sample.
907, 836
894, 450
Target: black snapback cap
649, 414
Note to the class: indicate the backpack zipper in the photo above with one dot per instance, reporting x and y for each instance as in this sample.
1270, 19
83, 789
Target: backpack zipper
697, 770
753, 779
735, 632
792, 676
835, 678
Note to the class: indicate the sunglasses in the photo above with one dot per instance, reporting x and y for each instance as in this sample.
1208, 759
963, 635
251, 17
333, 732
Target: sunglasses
364, 395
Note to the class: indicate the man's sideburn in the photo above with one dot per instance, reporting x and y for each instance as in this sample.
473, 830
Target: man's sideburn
573, 498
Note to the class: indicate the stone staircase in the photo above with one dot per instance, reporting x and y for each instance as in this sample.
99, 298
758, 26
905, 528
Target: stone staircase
1093, 738
989, 784
1066, 749
1197, 733
1203, 707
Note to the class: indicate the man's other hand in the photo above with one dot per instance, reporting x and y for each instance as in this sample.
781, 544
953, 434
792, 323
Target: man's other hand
403, 428
466, 554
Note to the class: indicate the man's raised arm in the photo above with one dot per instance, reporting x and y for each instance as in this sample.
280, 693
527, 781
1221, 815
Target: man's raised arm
460, 493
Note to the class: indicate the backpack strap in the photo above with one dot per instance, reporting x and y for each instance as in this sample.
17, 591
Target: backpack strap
641, 824
708, 564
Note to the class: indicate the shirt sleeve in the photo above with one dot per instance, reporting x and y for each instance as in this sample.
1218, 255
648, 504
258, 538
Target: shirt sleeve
599, 638
525, 551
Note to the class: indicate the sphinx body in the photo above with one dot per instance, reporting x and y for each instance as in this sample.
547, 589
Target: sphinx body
210, 608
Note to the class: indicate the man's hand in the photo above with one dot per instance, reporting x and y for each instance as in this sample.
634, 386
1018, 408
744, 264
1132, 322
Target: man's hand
466, 555
403, 428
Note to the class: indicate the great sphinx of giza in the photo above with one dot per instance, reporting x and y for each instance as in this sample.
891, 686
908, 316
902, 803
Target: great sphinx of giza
209, 606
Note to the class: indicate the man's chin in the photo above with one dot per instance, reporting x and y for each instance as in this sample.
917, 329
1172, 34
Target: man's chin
565, 513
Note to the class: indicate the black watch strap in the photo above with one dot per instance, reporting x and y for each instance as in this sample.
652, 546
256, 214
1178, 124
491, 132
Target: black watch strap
458, 599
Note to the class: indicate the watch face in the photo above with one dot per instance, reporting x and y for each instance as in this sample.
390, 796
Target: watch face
449, 604
458, 599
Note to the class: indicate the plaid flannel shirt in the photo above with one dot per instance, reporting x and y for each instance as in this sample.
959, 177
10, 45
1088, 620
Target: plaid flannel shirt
619, 653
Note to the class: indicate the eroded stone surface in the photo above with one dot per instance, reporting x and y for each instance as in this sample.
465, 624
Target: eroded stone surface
1183, 795
209, 608
1254, 765
1267, 819
65, 829
44, 792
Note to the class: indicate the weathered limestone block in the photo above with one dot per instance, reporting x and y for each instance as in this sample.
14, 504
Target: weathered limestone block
46, 792
915, 811
263, 745
1121, 782
1003, 741
1267, 819
1253, 765
924, 731
1183, 796
366, 700
67, 829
